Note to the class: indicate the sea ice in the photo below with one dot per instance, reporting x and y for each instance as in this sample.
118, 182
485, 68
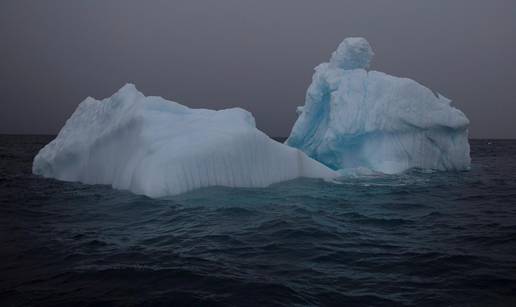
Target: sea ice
356, 119
155, 147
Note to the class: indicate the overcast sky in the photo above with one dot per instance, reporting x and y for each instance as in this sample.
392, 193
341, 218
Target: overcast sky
258, 55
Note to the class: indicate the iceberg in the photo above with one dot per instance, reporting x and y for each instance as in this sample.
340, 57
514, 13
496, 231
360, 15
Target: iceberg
358, 119
155, 147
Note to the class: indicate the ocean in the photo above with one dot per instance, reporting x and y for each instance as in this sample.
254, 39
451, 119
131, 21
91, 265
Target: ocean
419, 238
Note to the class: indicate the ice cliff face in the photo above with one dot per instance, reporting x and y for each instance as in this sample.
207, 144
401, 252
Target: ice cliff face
356, 119
155, 147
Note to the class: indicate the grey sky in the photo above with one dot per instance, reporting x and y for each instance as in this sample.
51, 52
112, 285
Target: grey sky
258, 55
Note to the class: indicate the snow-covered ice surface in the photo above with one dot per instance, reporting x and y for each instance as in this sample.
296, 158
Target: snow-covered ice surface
155, 147
355, 119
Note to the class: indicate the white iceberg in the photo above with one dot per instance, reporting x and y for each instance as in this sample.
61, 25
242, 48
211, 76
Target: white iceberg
155, 147
356, 119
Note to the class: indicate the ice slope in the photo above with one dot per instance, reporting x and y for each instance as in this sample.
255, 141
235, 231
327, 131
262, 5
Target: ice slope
155, 147
358, 119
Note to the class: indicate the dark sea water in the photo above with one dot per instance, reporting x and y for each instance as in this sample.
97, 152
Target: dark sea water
420, 238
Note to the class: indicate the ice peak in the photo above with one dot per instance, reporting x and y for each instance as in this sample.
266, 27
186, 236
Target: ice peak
127, 93
354, 120
352, 53
128, 87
